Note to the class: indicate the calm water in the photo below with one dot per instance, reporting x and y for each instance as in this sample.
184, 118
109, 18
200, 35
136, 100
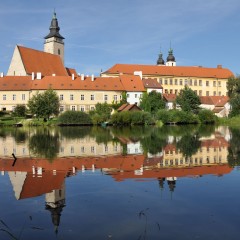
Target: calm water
120, 183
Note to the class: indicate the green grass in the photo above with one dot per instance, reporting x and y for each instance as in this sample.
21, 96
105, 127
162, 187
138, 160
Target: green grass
231, 122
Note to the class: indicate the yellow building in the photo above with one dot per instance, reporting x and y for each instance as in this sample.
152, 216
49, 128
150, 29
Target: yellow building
204, 81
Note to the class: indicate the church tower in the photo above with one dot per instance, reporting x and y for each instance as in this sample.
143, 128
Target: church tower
170, 59
160, 61
54, 41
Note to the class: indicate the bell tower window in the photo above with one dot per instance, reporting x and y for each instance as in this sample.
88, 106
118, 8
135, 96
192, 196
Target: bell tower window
59, 52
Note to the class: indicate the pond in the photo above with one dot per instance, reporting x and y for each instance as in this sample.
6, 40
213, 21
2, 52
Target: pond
171, 182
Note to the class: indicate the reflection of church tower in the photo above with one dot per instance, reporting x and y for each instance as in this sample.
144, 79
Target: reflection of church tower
54, 41
171, 183
55, 202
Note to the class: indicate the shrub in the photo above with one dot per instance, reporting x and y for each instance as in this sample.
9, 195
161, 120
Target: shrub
74, 118
19, 111
206, 116
131, 118
177, 117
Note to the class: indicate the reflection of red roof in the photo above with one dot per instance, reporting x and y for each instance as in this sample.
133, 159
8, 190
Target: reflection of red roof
216, 142
173, 172
36, 186
174, 71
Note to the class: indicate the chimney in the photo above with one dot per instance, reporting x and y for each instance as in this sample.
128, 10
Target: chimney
92, 77
39, 75
219, 66
1, 74
33, 75
73, 76
138, 73
53, 74
82, 77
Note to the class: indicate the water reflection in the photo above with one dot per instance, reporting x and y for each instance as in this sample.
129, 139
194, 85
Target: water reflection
46, 157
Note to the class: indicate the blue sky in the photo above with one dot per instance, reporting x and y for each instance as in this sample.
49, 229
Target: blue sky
101, 33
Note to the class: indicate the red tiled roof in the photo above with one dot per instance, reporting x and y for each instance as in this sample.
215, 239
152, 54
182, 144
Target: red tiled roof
151, 83
132, 83
39, 61
169, 97
178, 71
71, 71
128, 107
218, 101
17, 83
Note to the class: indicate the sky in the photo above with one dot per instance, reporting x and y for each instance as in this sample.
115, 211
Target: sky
101, 33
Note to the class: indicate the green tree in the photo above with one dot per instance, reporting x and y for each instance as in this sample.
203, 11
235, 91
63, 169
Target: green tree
101, 113
44, 104
20, 111
152, 102
188, 100
233, 87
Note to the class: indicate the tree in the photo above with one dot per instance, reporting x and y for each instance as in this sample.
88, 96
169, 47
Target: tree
44, 104
19, 111
233, 87
188, 100
152, 102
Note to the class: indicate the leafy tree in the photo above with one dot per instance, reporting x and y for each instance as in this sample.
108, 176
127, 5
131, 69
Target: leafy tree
101, 113
152, 102
44, 104
188, 100
20, 111
233, 87
115, 105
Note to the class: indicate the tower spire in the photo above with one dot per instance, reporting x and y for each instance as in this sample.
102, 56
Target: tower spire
54, 40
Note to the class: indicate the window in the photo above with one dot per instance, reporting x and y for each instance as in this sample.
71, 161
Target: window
128, 95
106, 148
115, 98
71, 97
73, 108
200, 92
14, 97
59, 52
166, 91
82, 149
72, 149
61, 109
219, 93
185, 82
92, 108
200, 83
61, 97
190, 82
92, 149
23, 97
92, 97
171, 82
195, 82
214, 93
180, 82
195, 91
160, 81
82, 109
176, 91
176, 82
105, 97
207, 83
4, 97
219, 83
214, 83
207, 93
166, 81
135, 95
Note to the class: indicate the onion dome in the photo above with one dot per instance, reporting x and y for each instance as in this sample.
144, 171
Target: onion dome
170, 57
160, 60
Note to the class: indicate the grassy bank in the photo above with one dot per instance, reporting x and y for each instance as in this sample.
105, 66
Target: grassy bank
230, 122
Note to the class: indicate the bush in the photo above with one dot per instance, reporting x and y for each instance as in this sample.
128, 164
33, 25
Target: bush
131, 118
177, 117
74, 118
19, 111
206, 116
